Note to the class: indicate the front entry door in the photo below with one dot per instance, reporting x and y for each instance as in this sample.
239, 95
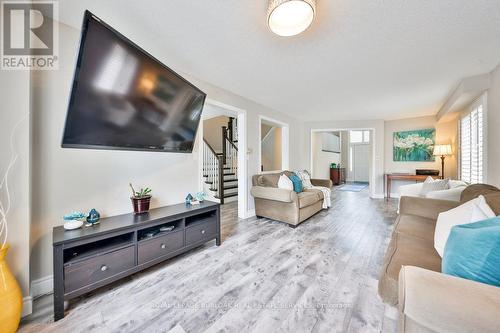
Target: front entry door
361, 161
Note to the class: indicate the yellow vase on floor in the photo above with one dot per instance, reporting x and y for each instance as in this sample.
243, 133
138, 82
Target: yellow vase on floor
11, 299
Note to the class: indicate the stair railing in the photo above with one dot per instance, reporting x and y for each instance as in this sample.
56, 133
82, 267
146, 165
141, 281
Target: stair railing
229, 152
213, 170
232, 129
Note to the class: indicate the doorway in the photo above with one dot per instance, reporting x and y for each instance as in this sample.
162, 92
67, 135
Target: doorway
349, 151
360, 163
273, 148
359, 156
222, 155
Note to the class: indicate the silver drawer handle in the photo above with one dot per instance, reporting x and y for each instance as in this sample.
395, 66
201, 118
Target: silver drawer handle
202, 231
104, 268
163, 246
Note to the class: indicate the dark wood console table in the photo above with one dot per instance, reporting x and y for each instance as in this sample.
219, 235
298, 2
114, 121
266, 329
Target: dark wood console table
389, 177
91, 257
337, 176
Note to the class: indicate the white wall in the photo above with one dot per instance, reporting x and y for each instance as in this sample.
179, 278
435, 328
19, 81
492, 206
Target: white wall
15, 90
344, 149
271, 149
212, 131
322, 159
493, 120
377, 182
69, 179
446, 133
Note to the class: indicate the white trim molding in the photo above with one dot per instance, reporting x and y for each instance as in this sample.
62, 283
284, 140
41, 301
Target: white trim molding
250, 213
241, 114
42, 286
27, 306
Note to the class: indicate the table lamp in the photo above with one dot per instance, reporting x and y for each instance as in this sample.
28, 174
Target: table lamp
443, 151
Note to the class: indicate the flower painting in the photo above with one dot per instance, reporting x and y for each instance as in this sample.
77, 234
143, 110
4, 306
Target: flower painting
411, 146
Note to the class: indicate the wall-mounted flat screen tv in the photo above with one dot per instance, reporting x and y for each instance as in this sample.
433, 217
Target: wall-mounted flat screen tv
123, 98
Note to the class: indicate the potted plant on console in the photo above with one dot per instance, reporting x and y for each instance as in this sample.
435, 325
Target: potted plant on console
141, 199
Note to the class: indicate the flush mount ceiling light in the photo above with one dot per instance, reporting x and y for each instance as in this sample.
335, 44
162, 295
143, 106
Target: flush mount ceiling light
290, 17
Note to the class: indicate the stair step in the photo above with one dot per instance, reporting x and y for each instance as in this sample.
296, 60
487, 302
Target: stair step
229, 173
229, 195
229, 187
230, 180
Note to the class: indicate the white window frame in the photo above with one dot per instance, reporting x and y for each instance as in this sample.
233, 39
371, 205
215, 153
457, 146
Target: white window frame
482, 100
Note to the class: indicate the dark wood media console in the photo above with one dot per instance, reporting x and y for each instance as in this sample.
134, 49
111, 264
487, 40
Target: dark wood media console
91, 257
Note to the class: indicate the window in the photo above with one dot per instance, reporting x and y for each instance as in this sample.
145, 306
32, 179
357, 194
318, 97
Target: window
471, 145
359, 136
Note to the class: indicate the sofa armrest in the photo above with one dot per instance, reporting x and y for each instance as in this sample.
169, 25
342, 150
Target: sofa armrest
273, 193
452, 194
322, 182
425, 207
431, 301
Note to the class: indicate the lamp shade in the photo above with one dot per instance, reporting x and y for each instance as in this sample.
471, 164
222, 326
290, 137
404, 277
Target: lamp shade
441, 150
290, 17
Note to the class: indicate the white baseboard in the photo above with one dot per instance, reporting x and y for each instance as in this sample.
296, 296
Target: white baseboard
250, 213
395, 195
42, 286
27, 306
377, 196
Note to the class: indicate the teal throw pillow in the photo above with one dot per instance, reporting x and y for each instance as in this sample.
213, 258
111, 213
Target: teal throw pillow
472, 252
297, 183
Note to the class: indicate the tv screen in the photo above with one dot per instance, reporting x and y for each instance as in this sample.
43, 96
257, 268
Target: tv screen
123, 98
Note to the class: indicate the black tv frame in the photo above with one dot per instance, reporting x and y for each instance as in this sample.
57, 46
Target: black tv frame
86, 18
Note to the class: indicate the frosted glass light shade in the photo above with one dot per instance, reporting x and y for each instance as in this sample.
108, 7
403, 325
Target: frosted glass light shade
440, 150
290, 17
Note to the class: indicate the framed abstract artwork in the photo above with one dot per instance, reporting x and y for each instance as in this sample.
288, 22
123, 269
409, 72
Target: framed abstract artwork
414, 146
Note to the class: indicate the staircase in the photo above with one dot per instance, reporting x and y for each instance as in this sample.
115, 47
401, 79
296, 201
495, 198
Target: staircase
220, 169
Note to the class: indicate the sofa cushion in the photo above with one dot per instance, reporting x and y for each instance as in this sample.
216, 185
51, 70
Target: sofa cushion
471, 211
307, 198
431, 184
473, 252
407, 247
416, 226
285, 183
297, 183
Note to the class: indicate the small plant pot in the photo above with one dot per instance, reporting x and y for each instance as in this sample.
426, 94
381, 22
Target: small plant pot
141, 205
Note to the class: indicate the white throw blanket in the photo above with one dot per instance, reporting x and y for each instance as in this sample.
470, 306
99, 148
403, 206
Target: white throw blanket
305, 177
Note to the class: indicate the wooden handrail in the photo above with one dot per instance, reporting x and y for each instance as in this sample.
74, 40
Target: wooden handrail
210, 147
232, 143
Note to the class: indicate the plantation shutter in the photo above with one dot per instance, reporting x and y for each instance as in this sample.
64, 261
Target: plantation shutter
471, 146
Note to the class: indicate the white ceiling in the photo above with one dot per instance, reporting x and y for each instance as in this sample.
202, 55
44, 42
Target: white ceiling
359, 60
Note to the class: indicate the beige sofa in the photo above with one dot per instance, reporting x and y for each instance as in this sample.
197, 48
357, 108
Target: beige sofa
285, 205
411, 277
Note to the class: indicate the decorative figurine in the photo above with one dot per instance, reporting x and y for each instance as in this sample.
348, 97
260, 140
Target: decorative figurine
200, 196
93, 217
189, 199
73, 220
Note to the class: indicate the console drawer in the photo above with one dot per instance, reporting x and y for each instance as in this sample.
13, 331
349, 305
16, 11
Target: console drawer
154, 248
201, 231
95, 269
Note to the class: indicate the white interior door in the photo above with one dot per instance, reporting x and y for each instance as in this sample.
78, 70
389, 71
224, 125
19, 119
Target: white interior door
361, 161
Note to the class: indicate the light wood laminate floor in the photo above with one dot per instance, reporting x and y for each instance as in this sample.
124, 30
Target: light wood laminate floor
265, 277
